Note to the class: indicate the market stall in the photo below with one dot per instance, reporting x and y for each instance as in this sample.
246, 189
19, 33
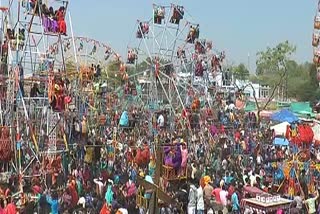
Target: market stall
263, 204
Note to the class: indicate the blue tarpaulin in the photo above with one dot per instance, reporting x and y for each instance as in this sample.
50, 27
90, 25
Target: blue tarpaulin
281, 141
284, 116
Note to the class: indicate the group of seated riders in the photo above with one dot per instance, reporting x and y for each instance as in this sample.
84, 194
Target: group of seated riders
53, 20
202, 46
130, 88
107, 53
181, 53
159, 13
216, 61
178, 13
58, 98
200, 68
193, 34
132, 56
96, 70
16, 38
143, 29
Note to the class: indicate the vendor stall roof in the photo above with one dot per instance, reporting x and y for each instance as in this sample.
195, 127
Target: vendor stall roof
284, 115
280, 129
250, 106
301, 108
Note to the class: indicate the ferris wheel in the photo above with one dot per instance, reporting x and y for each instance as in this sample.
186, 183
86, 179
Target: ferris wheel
316, 41
173, 62
84, 51
36, 131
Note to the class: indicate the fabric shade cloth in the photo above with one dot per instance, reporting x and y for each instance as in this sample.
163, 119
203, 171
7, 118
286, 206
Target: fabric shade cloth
253, 190
280, 141
284, 115
316, 132
280, 129
266, 114
301, 108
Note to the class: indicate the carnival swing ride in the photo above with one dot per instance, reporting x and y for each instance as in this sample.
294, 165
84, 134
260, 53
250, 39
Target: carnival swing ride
33, 138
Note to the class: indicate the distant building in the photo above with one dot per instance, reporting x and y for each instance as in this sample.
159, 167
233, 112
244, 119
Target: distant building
229, 84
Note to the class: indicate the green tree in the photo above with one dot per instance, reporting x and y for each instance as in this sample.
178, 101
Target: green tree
272, 67
272, 70
306, 88
273, 60
241, 72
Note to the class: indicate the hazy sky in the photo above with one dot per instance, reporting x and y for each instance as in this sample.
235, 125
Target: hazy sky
237, 26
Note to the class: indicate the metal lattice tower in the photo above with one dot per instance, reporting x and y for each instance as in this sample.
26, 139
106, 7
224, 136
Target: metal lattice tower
25, 63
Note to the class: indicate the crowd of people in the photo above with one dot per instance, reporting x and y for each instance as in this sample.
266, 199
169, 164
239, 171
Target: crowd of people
206, 168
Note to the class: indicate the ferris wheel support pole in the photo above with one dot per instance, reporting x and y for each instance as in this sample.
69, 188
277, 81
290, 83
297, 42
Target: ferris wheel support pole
168, 96
152, 63
73, 41
183, 106
173, 42
164, 90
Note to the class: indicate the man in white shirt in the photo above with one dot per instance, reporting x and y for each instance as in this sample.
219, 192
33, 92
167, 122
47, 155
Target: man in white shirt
259, 159
200, 201
100, 186
231, 107
161, 121
123, 211
253, 178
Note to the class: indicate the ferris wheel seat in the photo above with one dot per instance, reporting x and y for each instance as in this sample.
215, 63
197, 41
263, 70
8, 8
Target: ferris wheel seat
139, 34
157, 20
317, 22
159, 11
178, 13
131, 61
3, 9
316, 59
174, 21
315, 40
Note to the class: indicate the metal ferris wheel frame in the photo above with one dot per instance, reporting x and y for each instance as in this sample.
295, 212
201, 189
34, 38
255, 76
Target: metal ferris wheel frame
29, 119
167, 69
83, 50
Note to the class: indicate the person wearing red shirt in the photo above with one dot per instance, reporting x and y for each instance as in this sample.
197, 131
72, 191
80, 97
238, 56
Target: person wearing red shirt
216, 195
11, 208
61, 21
73, 193
105, 209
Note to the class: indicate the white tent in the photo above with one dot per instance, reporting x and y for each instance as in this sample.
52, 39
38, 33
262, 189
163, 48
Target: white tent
280, 129
316, 131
